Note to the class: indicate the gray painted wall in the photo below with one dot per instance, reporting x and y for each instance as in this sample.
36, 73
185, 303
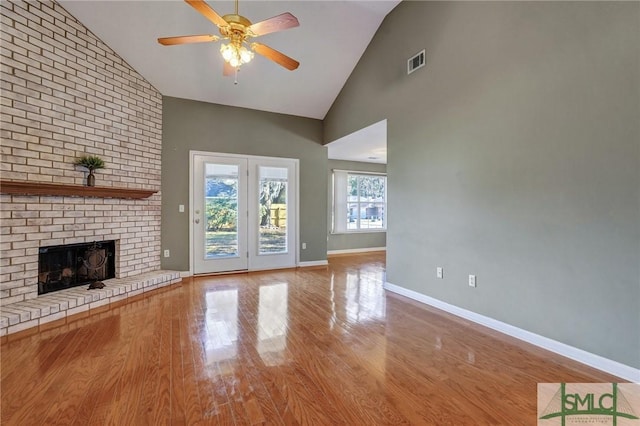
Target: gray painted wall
190, 125
360, 240
513, 155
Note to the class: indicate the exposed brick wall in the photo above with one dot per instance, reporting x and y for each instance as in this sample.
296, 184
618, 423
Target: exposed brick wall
66, 94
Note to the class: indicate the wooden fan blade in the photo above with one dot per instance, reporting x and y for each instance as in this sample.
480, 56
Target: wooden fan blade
170, 41
207, 12
228, 70
275, 56
277, 23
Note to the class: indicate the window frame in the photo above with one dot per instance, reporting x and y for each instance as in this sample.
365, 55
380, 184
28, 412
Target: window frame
337, 227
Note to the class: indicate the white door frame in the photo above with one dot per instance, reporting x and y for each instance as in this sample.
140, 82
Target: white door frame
193, 154
239, 261
276, 260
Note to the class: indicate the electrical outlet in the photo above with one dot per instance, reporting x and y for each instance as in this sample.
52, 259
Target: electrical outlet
304, 246
472, 280
439, 273
167, 253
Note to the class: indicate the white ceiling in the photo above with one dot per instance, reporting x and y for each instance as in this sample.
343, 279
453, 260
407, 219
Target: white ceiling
328, 44
368, 145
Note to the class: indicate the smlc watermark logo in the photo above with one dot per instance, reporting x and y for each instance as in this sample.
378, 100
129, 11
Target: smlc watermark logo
616, 404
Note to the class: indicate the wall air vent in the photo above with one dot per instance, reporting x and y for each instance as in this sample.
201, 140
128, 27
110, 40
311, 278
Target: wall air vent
416, 61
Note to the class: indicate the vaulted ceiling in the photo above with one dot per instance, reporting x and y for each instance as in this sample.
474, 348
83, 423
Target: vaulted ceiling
330, 40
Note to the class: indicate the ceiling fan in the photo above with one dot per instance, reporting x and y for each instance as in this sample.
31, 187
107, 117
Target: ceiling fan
239, 30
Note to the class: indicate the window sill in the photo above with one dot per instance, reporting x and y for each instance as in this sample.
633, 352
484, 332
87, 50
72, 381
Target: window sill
360, 231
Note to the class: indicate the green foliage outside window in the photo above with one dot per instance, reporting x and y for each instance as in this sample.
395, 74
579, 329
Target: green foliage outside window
369, 188
221, 214
271, 192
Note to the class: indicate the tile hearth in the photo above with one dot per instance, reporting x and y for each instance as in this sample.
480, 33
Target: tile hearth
30, 313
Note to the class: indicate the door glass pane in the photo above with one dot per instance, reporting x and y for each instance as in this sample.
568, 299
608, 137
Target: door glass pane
221, 210
273, 210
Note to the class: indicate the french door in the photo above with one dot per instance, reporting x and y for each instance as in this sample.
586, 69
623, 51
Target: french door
244, 213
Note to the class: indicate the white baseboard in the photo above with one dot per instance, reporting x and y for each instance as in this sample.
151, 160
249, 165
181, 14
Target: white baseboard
356, 250
592, 360
185, 274
312, 263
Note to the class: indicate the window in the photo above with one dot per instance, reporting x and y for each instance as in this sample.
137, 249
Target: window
359, 202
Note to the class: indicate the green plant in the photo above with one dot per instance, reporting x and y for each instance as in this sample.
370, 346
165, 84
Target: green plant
221, 214
91, 162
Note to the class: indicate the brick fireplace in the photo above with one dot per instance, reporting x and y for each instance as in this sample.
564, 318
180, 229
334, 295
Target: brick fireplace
66, 94
74, 265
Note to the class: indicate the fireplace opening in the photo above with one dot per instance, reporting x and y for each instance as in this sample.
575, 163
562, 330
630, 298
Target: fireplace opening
72, 265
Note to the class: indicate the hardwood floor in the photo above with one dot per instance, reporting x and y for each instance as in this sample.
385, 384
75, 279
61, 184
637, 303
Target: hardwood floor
319, 346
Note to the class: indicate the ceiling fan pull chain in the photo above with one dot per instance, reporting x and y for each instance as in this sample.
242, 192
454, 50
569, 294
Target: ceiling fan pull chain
236, 77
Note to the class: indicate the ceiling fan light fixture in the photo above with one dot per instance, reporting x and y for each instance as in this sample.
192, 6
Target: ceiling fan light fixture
227, 52
245, 55
235, 55
238, 30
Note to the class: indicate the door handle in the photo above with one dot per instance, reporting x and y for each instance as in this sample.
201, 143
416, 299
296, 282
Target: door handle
197, 221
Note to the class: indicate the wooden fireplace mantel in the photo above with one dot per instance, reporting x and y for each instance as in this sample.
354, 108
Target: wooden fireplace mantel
66, 190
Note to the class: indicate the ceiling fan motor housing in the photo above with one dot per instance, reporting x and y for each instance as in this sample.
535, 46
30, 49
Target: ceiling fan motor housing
238, 25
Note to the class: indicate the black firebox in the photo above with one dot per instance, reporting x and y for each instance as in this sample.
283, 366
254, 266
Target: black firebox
72, 265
